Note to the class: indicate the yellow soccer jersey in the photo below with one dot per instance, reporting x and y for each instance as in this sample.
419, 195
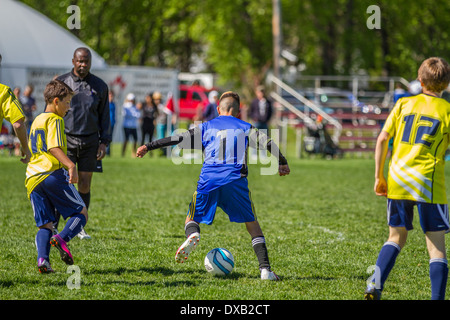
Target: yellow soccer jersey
10, 107
47, 132
419, 126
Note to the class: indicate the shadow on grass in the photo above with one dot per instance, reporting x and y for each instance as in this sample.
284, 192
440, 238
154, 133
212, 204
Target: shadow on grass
323, 278
42, 279
161, 271
192, 277
94, 277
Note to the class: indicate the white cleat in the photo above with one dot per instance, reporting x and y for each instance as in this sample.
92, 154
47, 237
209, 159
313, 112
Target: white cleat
266, 274
83, 235
187, 247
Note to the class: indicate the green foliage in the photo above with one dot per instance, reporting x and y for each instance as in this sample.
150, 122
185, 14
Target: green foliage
323, 226
234, 37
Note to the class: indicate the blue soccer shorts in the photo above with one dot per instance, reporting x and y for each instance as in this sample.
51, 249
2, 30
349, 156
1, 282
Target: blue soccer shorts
55, 192
433, 217
233, 198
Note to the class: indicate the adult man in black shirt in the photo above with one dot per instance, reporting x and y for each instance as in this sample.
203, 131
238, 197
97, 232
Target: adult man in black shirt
87, 122
261, 109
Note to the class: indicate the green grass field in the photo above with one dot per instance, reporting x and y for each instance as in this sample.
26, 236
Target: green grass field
323, 227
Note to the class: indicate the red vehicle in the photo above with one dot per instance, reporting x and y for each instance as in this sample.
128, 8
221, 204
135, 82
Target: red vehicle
192, 101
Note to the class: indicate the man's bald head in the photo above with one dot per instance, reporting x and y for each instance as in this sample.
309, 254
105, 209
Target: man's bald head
82, 51
81, 62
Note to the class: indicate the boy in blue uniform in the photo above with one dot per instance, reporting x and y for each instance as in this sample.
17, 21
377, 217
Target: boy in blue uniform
223, 181
50, 176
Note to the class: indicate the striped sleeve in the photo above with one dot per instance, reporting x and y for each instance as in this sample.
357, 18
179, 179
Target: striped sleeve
390, 126
12, 109
55, 131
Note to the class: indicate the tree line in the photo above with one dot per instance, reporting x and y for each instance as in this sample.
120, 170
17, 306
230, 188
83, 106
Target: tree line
233, 38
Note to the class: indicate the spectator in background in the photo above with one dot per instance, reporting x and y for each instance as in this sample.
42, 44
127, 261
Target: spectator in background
112, 115
163, 115
17, 92
261, 109
211, 109
29, 105
260, 113
399, 92
130, 115
414, 88
149, 113
164, 119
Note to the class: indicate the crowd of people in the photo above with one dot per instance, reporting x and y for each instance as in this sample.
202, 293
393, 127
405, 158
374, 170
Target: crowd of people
142, 121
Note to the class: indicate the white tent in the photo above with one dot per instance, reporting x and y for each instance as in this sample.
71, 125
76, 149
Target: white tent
35, 49
29, 38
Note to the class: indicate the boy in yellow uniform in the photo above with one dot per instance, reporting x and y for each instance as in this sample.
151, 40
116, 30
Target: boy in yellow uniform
419, 126
50, 176
11, 110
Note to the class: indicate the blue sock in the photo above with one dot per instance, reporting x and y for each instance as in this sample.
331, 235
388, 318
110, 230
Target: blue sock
43, 243
385, 262
73, 227
438, 277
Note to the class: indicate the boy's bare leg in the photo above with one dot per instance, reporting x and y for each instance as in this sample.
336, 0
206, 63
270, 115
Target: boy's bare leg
438, 264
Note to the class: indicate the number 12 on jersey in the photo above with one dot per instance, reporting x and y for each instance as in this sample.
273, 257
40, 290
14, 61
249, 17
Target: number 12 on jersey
419, 129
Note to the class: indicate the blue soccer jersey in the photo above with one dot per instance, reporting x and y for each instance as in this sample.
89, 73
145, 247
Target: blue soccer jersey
225, 141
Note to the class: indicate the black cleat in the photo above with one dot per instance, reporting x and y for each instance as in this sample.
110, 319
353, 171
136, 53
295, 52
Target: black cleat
372, 293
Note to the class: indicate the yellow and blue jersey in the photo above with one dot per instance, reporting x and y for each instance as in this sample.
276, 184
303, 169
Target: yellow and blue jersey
10, 107
47, 132
419, 126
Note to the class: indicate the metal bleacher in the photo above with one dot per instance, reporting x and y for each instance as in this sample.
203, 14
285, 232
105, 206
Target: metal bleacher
353, 116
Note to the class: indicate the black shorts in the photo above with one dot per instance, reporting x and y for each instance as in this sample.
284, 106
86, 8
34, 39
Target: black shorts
130, 132
82, 150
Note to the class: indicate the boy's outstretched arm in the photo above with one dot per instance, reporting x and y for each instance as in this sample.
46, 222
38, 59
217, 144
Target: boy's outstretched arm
381, 149
258, 138
187, 137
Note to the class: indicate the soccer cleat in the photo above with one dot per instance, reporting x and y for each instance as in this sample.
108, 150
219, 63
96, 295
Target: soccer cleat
372, 293
44, 266
61, 245
187, 247
83, 235
266, 274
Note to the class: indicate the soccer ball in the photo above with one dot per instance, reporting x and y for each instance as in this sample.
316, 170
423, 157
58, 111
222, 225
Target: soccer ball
219, 262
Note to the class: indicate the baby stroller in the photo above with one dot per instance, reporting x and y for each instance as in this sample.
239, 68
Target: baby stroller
318, 141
